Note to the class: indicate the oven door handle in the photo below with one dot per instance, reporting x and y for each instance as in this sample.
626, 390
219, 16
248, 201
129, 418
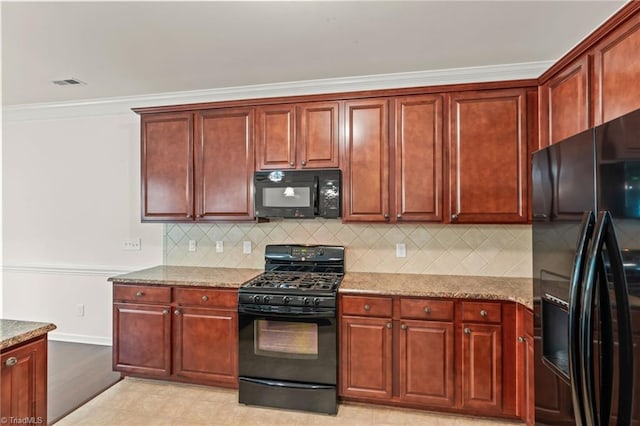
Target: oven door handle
287, 384
331, 313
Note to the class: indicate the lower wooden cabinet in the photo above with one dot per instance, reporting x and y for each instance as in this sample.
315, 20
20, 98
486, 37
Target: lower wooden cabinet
177, 334
437, 354
23, 382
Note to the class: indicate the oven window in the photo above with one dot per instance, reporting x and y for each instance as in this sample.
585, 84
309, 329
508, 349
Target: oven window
283, 339
287, 196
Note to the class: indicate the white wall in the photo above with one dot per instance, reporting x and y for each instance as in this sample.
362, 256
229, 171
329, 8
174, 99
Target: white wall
71, 196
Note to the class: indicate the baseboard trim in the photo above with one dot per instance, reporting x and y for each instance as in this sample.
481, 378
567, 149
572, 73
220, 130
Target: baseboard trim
80, 338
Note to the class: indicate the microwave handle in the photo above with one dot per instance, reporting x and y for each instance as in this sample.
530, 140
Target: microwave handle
316, 196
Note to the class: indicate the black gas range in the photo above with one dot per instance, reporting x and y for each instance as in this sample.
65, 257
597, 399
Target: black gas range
288, 329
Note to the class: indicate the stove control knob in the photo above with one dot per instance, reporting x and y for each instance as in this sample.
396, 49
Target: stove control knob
256, 299
286, 300
266, 299
316, 301
305, 300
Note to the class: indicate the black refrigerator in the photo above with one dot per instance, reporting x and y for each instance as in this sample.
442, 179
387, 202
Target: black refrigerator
586, 276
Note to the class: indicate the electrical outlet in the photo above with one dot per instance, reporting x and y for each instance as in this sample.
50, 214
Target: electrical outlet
401, 250
192, 245
131, 244
246, 247
79, 310
219, 247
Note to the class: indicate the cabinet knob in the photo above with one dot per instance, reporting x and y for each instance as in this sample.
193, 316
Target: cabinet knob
454, 216
427, 310
304, 163
165, 311
386, 216
11, 361
367, 307
483, 313
389, 325
205, 298
139, 294
467, 330
399, 216
403, 326
188, 216
291, 163
176, 312
522, 339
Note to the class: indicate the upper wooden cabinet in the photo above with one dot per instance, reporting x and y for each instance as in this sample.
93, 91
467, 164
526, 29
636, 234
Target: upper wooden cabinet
197, 166
418, 158
616, 70
564, 103
167, 167
291, 136
488, 157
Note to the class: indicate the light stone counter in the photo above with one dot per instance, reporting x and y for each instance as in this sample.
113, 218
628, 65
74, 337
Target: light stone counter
454, 286
13, 332
189, 276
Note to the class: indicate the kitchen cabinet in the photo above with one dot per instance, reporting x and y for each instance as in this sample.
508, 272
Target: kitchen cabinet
366, 348
564, 103
429, 353
488, 156
23, 381
298, 136
179, 334
186, 159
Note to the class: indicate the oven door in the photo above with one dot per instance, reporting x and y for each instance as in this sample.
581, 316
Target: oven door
289, 346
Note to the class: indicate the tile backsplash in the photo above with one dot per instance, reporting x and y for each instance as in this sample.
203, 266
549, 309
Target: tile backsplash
486, 250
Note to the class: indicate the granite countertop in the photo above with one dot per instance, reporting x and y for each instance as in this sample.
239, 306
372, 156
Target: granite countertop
13, 332
455, 286
189, 276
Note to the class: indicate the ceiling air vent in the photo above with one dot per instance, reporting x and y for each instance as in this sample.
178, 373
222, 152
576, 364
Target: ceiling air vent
68, 82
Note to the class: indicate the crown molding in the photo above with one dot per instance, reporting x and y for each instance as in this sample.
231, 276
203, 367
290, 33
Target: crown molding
123, 105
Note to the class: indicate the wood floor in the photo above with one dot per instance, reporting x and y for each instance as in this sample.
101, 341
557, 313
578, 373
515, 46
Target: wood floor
76, 373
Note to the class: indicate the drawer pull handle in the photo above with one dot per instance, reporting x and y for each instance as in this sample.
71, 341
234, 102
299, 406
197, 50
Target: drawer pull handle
139, 294
165, 311
11, 361
205, 298
389, 325
427, 310
467, 330
484, 313
176, 312
367, 307
403, 326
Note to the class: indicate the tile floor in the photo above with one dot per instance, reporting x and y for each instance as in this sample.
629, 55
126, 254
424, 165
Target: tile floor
148, 402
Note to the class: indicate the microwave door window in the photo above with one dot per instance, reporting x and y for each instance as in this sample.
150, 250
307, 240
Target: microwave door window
286, 196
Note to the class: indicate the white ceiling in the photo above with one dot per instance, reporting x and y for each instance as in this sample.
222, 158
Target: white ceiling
142, 48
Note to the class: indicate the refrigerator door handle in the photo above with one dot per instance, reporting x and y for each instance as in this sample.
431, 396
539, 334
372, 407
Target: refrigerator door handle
587, 324
625, 336
575, 364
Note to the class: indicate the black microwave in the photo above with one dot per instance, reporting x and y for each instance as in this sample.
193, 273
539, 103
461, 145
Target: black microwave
297, 193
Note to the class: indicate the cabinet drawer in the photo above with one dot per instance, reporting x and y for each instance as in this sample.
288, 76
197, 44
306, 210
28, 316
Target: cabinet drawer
426, 309
367, 306
142, 293
482, 311
206, 297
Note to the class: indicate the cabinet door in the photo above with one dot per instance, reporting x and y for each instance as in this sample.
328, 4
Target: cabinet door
23, 381
427, 372
418, 158
167, 167
488, 157
206, 345
616, 69
482, 367
564, 103
142, 339
366, 154
224, 164
366, 357
318, 134
275, 137
553, 396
